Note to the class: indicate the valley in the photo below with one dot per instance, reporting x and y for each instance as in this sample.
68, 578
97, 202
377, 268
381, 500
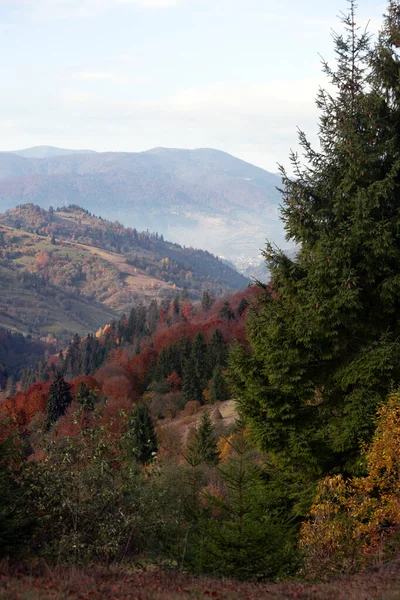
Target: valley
203, 198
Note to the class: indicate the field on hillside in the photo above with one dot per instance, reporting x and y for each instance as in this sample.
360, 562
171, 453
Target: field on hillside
30, 302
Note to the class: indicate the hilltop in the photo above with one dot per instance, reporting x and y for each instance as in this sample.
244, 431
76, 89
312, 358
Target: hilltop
68, 272
203, 197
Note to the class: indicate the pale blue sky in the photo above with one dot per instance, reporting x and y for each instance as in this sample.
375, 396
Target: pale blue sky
237, 75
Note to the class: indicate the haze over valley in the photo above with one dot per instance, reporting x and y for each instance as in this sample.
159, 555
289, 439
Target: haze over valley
202, 198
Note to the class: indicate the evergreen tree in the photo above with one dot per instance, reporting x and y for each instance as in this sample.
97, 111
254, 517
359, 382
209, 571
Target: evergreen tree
130, 328
218, 388
153, 315
59, 399
192, 387
246, 540
72, 363
217, 350
142, 437
226, 313
243, 304
200, 359
206, 301
204, 444
15, 526
325, 333
86, 397
176, 305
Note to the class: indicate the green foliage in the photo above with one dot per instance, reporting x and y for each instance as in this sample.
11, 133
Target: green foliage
218, 389
142, 440
324, 334
86, 397
226, 313
240, 536
192, 384
86, 496
16, 527
206, 301
59, 399
203, 447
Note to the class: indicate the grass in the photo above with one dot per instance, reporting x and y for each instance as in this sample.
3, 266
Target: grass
118, 584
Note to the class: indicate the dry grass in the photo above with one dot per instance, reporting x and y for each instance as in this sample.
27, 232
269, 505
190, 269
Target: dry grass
186, 424
96, 583
135, 280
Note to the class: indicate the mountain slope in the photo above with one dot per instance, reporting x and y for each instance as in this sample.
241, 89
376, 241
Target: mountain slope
205, 198
67, 271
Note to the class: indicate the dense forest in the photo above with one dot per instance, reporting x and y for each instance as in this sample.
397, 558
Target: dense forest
129, 426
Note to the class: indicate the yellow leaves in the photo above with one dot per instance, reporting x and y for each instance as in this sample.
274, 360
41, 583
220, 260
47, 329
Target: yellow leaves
350, 521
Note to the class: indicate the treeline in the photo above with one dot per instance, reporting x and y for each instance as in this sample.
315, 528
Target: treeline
185, 345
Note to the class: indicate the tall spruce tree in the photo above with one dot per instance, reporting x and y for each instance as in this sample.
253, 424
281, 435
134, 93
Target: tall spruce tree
203, 446
59, 399
143, 440
325, 333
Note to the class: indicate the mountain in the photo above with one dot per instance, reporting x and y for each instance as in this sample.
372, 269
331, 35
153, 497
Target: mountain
66, 271
204, 198
48, 152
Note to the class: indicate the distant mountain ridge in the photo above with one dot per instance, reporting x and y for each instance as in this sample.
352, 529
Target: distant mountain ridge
48, 152
204, 198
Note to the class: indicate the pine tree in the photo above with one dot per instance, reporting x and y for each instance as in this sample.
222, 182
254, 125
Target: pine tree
206, 301
218, 388
59, 399
204, 444
192, 386
240, 536
217, 350
153, 315
325, 333
86, 397
200, 359
143, 440
16, 527
243, 305
226, 313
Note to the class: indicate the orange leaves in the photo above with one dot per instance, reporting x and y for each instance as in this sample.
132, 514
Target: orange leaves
25, 405
352, 521
42, 260
175, 381
88, 380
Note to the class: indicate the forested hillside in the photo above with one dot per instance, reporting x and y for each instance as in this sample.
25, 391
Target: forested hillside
67, 271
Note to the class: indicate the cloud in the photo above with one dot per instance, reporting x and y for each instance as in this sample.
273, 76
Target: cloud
257, 122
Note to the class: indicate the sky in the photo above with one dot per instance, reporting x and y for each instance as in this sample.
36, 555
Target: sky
129, 75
